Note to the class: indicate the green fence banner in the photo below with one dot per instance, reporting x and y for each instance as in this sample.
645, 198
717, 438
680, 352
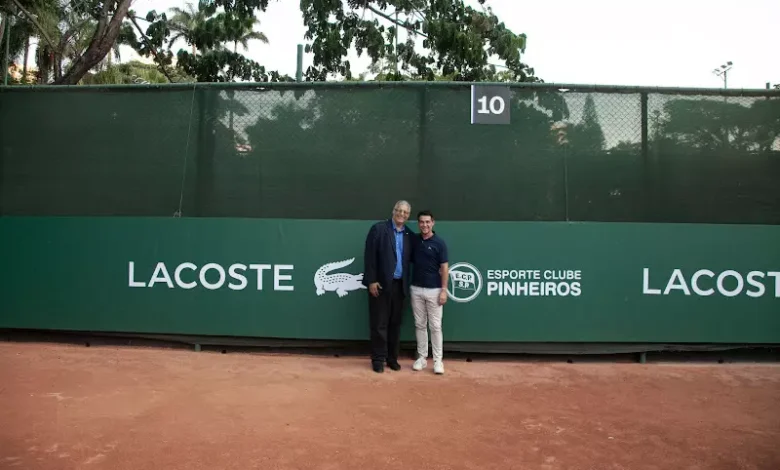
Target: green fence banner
282, 278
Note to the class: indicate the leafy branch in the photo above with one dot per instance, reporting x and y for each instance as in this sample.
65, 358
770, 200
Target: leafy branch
35, 23
207, 32
160, 61
458, 40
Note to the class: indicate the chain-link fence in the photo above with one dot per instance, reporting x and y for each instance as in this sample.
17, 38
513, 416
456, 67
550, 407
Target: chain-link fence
349, 150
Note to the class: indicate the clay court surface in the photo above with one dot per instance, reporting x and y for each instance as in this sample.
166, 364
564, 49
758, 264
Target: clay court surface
117, 407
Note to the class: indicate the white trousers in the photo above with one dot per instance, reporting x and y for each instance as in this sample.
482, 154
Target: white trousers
427, 314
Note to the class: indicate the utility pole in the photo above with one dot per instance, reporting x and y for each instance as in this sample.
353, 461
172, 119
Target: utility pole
299, 65
724, 72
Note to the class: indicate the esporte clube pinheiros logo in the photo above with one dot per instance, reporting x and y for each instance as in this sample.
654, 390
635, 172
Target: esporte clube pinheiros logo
465, 282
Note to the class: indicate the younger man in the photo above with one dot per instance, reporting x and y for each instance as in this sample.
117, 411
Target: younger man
430, 274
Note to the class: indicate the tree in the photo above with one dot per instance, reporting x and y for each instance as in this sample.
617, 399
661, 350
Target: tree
83, 33
33, 20
458, 41
19, 41
716, 125
110, 16
184, 23
206, 31
588, 135
58, 27
241, 31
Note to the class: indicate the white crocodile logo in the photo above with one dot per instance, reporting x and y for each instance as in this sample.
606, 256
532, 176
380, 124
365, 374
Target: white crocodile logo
341, 283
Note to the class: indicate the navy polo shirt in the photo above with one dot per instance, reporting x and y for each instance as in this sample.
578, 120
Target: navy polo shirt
427, 256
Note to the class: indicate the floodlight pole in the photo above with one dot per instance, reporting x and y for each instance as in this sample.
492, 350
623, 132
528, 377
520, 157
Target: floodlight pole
724, 71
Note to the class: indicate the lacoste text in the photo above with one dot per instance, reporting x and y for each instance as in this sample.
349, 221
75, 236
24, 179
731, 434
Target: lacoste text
214, 276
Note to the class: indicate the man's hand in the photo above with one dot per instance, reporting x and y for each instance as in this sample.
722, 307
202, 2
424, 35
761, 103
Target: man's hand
373, 288
443, 297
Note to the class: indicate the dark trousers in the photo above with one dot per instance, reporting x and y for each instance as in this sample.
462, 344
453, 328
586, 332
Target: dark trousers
385, 320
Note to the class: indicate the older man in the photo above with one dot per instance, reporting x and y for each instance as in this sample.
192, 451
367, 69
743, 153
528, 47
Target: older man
386, 274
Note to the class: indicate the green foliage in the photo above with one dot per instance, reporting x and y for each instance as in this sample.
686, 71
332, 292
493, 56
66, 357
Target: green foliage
207, 32
51, 28
133, 72
20, 31
717, 125
239, 8
184, 22
458, 40
71, 37
222, 65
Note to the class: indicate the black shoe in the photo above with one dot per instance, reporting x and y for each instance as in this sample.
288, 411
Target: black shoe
394, 365
378, 367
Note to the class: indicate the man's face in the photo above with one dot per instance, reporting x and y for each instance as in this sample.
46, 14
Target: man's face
401, 214
425, 222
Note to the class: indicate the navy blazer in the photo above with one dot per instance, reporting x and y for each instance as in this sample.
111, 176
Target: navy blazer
379, 257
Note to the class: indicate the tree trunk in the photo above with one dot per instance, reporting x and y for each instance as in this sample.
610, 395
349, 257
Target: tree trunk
3, 19
43, 64
102, 43
26, 56
57, 65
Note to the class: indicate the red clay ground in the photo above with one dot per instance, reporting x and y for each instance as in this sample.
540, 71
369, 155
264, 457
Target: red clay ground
67, 407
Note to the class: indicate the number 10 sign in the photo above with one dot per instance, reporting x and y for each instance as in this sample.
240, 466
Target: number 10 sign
490, 104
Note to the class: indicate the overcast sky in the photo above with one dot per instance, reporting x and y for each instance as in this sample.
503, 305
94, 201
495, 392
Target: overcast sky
659, 43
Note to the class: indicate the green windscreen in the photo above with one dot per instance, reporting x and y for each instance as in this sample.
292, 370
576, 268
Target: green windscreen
350, 151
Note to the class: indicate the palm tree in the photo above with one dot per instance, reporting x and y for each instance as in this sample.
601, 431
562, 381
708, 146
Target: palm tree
245, 33
184, 22
38, 22
240, 30
62, 32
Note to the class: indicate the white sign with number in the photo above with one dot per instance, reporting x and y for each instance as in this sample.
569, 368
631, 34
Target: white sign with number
490, 104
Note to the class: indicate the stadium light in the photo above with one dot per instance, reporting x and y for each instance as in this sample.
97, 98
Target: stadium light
723, 71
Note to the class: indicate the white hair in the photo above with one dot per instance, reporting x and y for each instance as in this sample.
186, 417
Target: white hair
403, 203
